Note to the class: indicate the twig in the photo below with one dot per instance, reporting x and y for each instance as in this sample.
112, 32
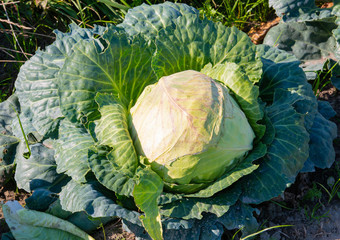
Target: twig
86, 24
9, 3
11, 61
16, 39
8, 54
12, 50
15, 24
215, 5
26, 34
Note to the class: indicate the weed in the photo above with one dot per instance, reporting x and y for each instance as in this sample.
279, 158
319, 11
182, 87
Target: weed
334, 188
242, 14
102, 227
313, 214
313, 194
281, 204
250, 236
323, 77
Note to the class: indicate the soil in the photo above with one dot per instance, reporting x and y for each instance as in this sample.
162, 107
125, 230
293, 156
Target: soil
258, 33
9, 192
113, 231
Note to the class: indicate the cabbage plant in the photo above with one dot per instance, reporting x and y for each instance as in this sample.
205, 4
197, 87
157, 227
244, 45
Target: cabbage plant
312, 34
171, 122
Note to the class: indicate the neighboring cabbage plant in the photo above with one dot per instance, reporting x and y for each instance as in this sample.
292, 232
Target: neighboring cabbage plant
173, 123
312, 34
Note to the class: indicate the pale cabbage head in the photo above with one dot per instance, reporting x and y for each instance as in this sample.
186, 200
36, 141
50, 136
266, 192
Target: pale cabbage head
190, 129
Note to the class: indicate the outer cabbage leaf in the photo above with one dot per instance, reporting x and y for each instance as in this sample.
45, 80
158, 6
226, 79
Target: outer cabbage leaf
181, 38
8, 111
92, 198
107, 173
41, 199
192, 43
302, 98
291, 114
36, 85
210, 199
8, 142
39, 170
30, 224
79, 219
146, 192
321, 152
46, 201
240, 216
7, 236
113, 168
112, 130
71, 150
326, 110
285, 157
147, 21
281, 70
25, 126
56, 210
206, 228
209, 227
274, 54
166, 198
122, 68
191, 207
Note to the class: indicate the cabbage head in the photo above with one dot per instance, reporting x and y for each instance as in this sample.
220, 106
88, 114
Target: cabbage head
169, 121
200, 131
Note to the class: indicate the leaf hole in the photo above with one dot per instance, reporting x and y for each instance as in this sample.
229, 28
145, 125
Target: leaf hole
100, 43
26, 155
